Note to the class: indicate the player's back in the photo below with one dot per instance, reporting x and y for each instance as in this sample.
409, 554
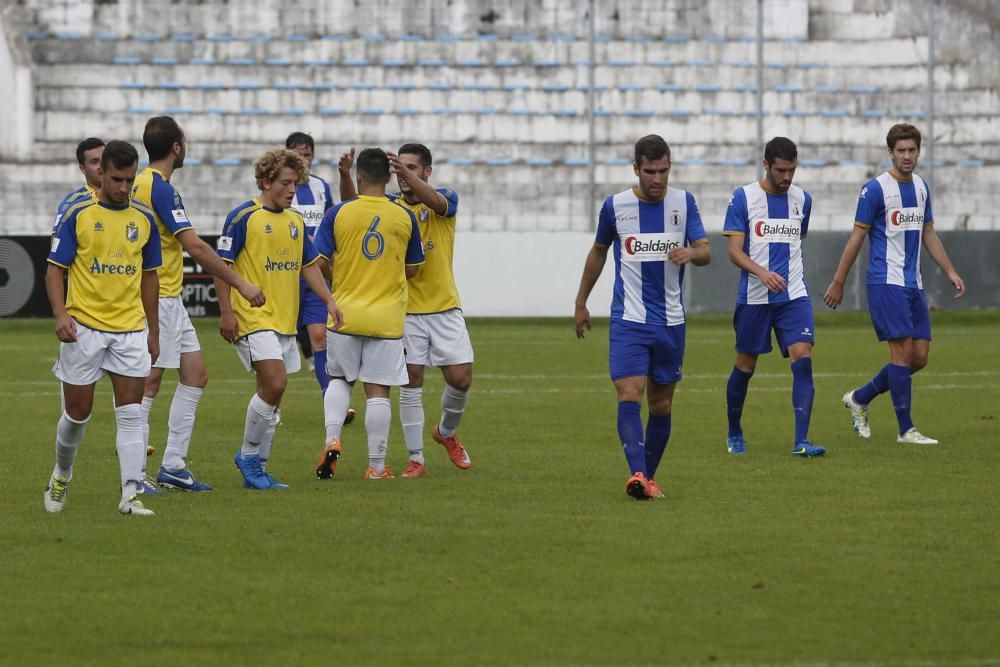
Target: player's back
159, 196
372, 241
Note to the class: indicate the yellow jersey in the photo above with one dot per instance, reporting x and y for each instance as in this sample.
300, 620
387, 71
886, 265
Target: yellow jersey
433, 289
269, 248
158, 195
105, 250
370, 240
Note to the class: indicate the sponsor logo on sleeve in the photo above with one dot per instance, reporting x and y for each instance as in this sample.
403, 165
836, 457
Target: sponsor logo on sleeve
224, 243
180, 215
55, 243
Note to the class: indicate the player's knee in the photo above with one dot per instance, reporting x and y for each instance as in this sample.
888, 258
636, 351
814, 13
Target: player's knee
462, 383
661, 406
917, 364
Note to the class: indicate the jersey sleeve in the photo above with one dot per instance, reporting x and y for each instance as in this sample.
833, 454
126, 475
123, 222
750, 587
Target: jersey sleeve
234, 235
695, 231
451, 197
807, 207
870, 203
152, 256
736, 215
606, 230
415, 248
63, 249
324, 242
169, 207
309, 254
928, 214
329, 196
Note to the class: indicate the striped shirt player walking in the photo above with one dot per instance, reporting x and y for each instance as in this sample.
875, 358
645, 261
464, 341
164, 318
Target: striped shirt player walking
894, 213
654, 231
766, 222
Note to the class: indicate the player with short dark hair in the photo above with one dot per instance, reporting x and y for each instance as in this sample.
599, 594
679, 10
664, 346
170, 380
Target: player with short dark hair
894, 213
102, 287
766, 222
180, 349
373, 245
655, 230
88, 157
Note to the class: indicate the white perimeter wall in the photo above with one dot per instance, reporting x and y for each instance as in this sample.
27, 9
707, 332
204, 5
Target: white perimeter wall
526, 274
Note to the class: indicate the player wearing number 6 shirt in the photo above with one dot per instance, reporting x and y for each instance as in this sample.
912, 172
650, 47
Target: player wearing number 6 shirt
894, 212
373, 245
766, 222
655, 231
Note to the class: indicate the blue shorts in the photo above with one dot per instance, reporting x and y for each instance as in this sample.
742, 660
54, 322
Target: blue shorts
646, 350
899, 312
792, 322
312, 310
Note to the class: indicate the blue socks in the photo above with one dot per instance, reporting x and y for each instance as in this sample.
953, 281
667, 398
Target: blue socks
803, 392
630, 433
736, 396
899, 388
657, 436
319, 360
877, 385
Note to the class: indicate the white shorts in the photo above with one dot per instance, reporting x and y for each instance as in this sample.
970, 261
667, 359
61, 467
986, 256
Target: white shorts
98, 352
263, 345
372, 360
437, 339
177, 334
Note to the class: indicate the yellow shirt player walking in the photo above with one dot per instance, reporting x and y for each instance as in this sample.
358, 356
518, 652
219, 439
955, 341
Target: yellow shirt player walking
107, 322
373, 246
166, 146
266, 243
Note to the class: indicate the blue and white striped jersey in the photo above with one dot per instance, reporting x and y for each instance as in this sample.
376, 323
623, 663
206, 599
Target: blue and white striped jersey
647, 286
895, 213
772, 227
312, 199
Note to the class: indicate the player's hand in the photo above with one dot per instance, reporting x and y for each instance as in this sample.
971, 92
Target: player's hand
229, 328
582, 321
396, 167
153, 345
253, 294
958, 284
834, 295
346, 161
336, 314
773, 282
65, 329
679, 256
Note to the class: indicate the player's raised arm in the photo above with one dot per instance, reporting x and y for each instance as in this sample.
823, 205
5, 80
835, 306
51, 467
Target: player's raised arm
347, 190
425, 193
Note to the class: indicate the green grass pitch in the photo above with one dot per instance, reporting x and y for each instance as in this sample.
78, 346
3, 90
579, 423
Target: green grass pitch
879, 554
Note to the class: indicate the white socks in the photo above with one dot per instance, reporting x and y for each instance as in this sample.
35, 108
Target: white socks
69, 434
452, 407
336, 401
131, 451
264, 453
147, 407
259, 418
378, 414
179, 425
411, 416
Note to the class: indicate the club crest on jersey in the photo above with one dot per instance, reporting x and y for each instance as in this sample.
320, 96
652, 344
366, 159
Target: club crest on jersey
132, 232
98, 227
425, 215
675, 218
267, 229
293, 230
